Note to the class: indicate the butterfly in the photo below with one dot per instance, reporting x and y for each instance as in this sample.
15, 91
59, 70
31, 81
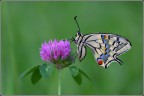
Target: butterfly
105, 47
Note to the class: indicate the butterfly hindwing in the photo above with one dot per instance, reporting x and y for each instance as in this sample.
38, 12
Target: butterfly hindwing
107, 47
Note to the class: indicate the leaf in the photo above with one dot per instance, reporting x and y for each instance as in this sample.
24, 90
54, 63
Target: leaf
78, 79
75, 74
74, 70
46, 70
36, 76
29, 71
83, 73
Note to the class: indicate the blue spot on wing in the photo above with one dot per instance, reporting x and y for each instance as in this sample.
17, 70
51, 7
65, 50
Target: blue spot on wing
107, 45
104, 57
107, 55
105, 41
102, 36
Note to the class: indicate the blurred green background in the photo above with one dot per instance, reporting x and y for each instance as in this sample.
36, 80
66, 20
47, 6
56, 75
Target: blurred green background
26, 25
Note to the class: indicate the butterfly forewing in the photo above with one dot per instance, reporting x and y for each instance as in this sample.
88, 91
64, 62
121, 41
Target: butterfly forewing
81, 50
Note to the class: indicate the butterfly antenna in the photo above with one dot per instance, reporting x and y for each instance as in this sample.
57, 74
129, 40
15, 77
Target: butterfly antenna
71, 39
77, 23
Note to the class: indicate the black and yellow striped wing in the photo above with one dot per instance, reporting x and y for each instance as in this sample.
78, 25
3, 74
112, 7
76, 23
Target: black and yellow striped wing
106, 47
81, 49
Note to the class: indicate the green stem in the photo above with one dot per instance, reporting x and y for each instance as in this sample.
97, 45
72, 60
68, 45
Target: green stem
59, 82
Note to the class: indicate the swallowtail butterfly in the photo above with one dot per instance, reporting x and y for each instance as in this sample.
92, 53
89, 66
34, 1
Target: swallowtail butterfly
105, 47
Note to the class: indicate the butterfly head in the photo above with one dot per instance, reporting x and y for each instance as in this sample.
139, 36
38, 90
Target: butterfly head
78, 34
78, 37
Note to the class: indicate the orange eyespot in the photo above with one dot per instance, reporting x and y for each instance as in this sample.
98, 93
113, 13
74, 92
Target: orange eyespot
100, 61
105, 36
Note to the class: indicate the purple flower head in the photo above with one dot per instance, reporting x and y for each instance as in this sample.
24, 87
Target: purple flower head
55, 50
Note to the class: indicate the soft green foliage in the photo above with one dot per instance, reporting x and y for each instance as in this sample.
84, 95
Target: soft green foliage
38, 71
78, 79
26, 25
36, 76
77, 74
84, 74
74, 70
28, 71
46, 70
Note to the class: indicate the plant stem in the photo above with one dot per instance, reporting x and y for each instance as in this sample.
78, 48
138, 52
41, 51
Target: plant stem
59, 81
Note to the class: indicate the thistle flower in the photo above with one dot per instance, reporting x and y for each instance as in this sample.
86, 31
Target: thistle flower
58, 52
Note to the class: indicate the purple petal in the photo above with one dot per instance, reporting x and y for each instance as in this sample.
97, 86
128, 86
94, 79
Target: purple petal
55, 50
